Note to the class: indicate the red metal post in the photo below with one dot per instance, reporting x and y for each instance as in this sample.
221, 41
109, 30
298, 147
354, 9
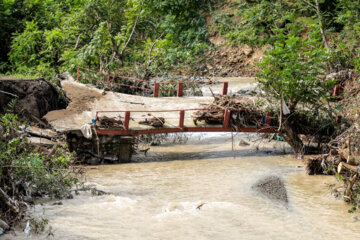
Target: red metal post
226, 121
180, 89
78, 74
108, 79
156, 89
268, 119
225, 88
181, 120
127, 120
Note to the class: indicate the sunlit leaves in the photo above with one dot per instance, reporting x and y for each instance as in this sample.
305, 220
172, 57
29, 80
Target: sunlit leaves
294, 69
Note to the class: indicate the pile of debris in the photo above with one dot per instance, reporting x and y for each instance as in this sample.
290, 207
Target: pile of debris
154, 122
342, 156
243, 113
107, 122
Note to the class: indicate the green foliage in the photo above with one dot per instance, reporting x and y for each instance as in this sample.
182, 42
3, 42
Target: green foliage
26, 172
252, 22
294, 67
107, 35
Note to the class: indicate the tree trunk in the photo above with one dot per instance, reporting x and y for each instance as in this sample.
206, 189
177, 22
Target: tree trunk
291, 137
318, 12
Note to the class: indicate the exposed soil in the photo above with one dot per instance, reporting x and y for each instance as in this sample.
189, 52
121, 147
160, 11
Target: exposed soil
81, 98
35, 97
227, 61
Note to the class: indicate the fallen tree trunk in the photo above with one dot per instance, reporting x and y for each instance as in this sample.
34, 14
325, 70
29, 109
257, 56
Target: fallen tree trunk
12, 204
292, 138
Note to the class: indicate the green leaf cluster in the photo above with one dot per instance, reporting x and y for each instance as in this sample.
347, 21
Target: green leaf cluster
294, 69
53, 36
25, 172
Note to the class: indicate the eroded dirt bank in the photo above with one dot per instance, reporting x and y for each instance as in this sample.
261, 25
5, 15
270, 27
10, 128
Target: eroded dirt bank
30, 98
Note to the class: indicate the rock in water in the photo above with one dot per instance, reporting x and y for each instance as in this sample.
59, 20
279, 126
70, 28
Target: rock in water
243, 143
273, 188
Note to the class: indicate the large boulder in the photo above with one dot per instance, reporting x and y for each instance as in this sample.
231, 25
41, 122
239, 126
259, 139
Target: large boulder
273, 188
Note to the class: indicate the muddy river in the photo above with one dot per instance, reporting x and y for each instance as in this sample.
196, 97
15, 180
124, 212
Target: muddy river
202, 189
159, 197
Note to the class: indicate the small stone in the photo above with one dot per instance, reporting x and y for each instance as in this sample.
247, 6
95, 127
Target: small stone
58, 203
243, 143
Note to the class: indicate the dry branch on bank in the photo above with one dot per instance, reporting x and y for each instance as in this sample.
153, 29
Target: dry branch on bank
154, 122
29, 171
107, 122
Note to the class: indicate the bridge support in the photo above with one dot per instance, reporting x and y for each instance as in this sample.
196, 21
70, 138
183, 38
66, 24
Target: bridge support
108, 80
101, 148
127, 120
156, 89
180, 89
225, 88
226, 121
181, 119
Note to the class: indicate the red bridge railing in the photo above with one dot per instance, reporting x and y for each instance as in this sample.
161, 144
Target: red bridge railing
181, 126
155, 87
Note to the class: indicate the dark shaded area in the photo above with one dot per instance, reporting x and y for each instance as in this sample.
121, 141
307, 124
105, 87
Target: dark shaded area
30, 99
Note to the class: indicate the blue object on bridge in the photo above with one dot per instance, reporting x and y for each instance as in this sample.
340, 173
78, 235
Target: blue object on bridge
93, 121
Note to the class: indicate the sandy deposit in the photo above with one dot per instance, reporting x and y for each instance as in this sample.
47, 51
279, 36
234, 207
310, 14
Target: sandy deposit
86, 100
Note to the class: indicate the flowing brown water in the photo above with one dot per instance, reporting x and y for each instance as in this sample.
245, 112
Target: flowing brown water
159, 200
198, 190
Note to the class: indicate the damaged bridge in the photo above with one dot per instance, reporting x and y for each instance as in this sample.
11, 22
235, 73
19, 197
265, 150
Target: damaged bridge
113, 119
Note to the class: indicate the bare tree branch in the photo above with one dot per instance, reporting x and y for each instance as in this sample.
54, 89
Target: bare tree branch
132, 32
9, 201
77, 42
152, 48
316, 7
309, 3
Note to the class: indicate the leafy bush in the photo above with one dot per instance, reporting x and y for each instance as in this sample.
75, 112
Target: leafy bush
26, 173
294, 69
108, 35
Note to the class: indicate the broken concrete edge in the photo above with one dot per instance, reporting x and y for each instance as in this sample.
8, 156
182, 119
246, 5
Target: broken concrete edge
40, 141
40, 132
100, 148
